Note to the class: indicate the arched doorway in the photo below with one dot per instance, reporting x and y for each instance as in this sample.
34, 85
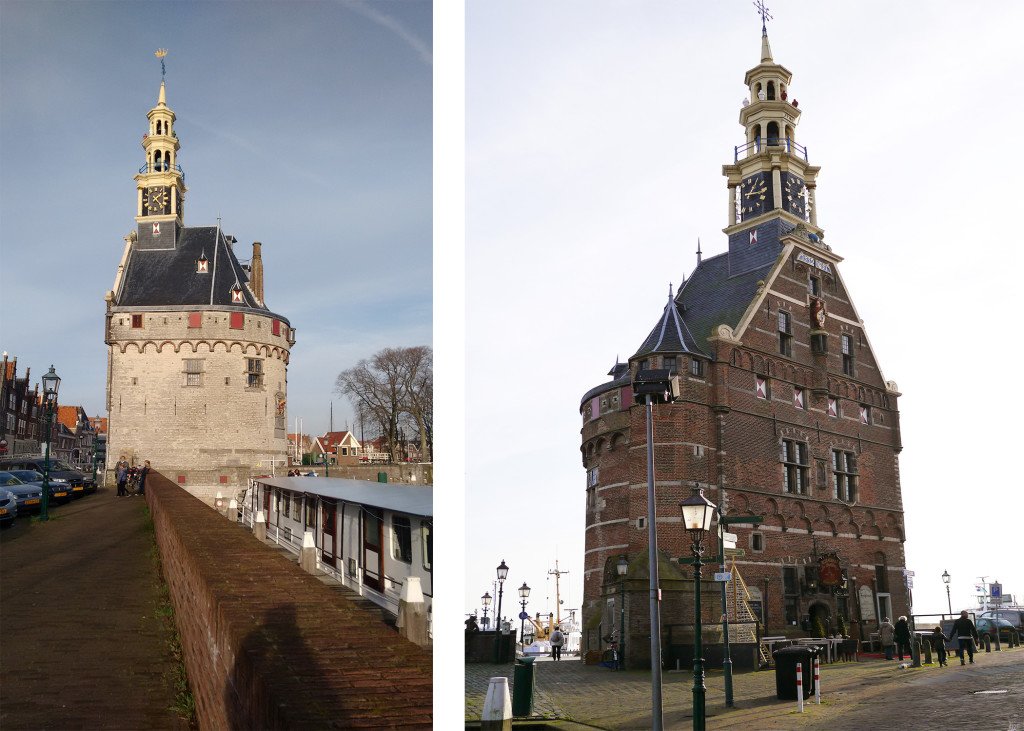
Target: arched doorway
820, 615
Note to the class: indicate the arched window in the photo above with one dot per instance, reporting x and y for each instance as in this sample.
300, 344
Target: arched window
158, 161
771, 90
773, 133
159, 127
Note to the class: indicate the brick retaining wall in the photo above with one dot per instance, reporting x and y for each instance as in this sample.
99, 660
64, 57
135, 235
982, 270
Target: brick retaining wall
269, 646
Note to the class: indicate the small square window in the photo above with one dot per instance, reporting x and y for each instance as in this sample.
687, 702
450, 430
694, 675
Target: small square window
697, 368
275, 328
814, 286
833, 407
669, 361
757, 542
195, 319
136, 321
237, 320
799, 400
763, 388
865, 414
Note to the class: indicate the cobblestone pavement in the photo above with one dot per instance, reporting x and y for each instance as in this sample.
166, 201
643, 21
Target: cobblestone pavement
82, 646
855, 696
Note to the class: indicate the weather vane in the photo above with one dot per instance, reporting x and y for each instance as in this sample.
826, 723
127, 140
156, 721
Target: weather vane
762, 10
160, 53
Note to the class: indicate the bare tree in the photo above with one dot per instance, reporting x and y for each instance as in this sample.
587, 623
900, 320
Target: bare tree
392, 384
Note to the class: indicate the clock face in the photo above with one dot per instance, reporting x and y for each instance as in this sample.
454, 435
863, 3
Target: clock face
156, 200
793, 194
755, 196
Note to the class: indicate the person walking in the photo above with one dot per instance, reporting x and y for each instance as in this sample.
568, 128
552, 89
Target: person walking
142, 477
557, 640
966, 634
902, 637
121, 474
886, 636
939, 645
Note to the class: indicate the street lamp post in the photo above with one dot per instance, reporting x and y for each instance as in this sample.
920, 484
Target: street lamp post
486, 601
698, 513
51, 384
502, 574
622, 568
524, 592
949, 602
649, 386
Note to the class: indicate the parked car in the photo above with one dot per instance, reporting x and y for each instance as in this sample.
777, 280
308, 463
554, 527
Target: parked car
1013, 616
987, 629
29, 496
60, 472
59, 491
8, 507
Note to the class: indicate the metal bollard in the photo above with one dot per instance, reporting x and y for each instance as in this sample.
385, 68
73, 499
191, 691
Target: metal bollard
800, 687
915, 651
817, 681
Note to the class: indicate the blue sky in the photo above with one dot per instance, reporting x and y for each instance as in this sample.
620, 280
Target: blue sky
304, 125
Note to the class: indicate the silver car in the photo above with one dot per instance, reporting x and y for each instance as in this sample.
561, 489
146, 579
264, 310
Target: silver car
8, 507
28, 495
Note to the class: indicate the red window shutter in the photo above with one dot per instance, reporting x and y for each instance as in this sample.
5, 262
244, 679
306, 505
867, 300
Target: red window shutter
276, 327
195, 319
237, 320
136, 321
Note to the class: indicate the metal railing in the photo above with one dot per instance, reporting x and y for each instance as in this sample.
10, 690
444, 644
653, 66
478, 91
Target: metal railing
758, 144
159, 167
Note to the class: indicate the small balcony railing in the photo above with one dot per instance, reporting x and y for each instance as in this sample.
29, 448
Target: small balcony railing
755, 147
160, 167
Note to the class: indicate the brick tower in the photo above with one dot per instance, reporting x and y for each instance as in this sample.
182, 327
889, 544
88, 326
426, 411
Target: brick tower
197, 375
782, 411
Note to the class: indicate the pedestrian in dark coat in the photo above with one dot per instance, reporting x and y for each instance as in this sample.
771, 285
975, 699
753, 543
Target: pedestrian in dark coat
902, 637
966, 635
938, 641
557, 639
142, 478
121, 473
886, 637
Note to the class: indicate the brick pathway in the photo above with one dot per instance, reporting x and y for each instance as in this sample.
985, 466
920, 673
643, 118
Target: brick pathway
855, 696
81, 646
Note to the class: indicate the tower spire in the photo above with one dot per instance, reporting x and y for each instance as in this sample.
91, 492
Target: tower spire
766, 50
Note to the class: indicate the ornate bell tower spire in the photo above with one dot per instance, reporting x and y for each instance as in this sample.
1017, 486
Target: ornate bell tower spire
770, 175
160, 181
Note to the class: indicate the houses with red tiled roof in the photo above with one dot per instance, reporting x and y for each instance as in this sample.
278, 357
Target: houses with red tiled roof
98, 424
299, 445
339, 447
79, 426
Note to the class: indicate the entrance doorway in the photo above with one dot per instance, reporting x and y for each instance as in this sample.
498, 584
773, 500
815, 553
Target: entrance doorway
821, 619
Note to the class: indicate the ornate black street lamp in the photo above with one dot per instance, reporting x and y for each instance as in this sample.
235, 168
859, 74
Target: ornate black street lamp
949, 602
524, 592
51, 384
502, 574
698, 513
486, 601
622, 568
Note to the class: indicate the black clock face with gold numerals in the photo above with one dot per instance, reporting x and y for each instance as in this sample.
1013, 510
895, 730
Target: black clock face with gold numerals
755, 196
156, 200
793, 194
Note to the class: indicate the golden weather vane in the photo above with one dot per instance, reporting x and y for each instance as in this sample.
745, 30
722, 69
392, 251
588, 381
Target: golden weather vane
160, 53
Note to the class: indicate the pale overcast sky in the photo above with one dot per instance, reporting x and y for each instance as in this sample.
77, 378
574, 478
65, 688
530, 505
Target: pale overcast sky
596, 133
306, 126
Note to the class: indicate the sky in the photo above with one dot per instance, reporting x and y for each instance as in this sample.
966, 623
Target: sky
306, 126
595, 137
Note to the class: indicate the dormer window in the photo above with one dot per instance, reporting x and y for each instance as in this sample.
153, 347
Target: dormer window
236, 294
203, 265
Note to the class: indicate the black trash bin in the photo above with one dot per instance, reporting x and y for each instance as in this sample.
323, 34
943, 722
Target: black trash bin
524, 681
786, 659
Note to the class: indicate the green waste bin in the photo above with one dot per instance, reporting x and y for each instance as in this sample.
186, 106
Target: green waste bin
524, 682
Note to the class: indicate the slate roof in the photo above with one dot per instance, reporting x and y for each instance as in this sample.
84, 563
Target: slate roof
168, 277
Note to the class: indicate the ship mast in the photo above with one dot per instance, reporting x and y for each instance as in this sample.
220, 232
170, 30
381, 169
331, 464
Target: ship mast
558, 596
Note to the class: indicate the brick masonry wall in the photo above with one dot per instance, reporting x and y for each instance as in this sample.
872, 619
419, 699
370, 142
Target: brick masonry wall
269, 646
220, 428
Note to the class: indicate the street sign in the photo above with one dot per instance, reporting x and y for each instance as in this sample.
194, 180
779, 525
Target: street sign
729, 545
727, 520
524, 615
735, 552
727, 537
996, 590
723, 576
908, 572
